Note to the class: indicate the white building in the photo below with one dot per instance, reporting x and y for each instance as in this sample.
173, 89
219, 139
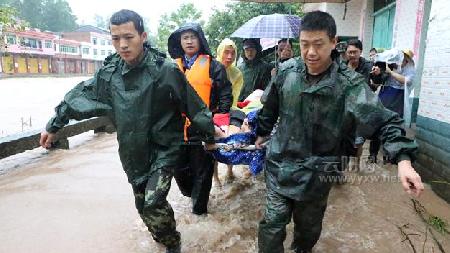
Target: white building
96, 43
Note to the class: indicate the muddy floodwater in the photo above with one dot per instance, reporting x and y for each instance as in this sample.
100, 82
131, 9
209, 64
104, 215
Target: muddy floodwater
79, 200
27, 103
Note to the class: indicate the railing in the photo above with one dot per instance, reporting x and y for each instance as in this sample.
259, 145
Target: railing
18, 143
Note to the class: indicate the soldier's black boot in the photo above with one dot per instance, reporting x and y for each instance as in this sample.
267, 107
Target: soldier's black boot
303, 251
176, 249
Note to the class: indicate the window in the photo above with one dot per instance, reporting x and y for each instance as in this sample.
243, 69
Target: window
32, 43
94, 40
68, 49
102, 42
383, 27
109, 52
378, 5
11, 39
109, 42
103, 52
85, 50
48, 44
95, 51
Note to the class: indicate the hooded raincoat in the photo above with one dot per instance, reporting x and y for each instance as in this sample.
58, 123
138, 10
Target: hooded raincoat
195, 179
221, 97
145, 103
233, 73
256, 74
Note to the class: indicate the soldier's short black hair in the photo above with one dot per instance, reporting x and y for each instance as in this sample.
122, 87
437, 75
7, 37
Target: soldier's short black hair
124, 16
319, 21
356, 43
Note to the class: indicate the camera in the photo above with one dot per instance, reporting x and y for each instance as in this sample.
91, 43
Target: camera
382, 66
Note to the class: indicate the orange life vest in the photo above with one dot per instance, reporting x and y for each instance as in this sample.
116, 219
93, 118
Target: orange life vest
198, 77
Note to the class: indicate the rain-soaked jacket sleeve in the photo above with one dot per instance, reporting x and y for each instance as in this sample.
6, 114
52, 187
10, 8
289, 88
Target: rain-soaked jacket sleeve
375, 121
268, 115
90, 98
222, 98
191, 104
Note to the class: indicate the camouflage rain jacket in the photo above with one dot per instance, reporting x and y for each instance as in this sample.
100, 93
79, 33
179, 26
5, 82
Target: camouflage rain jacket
317, 126
145, 103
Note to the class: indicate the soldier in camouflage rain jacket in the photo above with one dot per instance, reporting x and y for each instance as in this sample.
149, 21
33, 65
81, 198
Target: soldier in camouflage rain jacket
318, 103
145, 96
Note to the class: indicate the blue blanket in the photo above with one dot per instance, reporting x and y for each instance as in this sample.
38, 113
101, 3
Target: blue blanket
253, 158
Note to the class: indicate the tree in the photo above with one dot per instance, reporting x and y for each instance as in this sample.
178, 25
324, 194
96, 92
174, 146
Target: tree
53, 15
31, 11
9, 21
223, 23
101, 22
57, 16
7, 16
169, 22
9, 3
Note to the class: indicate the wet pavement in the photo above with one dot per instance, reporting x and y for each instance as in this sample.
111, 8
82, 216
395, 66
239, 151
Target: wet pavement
79, 200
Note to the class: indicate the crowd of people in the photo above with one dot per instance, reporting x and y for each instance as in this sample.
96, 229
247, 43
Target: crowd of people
164, 111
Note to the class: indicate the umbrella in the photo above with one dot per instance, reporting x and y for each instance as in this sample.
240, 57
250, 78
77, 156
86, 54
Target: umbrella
393, 55
268, 42
270, 26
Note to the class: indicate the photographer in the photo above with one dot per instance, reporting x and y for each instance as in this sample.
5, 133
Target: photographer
392, 93
355, 61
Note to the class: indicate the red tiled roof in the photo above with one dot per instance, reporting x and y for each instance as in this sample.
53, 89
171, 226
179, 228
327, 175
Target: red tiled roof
35, 34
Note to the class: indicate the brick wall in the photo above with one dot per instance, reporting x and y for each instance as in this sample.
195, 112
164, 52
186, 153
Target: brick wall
405, 24
350, 26
358, 20
433, 121
435, 91
78, 36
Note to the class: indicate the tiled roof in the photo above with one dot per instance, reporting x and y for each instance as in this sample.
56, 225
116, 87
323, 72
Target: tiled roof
90, 28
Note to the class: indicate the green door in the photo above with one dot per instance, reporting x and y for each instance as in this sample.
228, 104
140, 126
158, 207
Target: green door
383, 27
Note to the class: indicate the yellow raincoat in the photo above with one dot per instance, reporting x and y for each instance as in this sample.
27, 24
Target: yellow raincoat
233, 73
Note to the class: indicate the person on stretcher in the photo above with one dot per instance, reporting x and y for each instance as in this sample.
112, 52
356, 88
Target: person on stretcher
236, 144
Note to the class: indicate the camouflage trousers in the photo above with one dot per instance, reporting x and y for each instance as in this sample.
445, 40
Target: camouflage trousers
155, 210
307, 217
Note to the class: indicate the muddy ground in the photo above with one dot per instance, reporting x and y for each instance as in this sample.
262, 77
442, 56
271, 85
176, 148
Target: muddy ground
78, 200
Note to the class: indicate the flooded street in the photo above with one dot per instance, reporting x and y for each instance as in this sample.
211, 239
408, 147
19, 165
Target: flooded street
308, 82
35, 98
78, 200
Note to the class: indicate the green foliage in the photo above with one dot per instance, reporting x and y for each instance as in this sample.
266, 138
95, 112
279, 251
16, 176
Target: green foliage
170, 22
439, 224
101, 22
57, 16
52, 15
223, 23
8, 21
7, 15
